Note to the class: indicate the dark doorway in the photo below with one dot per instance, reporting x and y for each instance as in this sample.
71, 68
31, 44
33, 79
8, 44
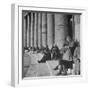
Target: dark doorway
70, 28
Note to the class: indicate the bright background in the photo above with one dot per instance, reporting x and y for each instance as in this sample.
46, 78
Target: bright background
5, 43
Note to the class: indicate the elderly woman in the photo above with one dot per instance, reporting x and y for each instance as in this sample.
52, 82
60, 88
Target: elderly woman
66, 64
55, 53
46, 56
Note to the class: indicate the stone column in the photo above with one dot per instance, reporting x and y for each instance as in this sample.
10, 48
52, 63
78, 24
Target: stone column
28, 31
25, 31
77, 27
50, 29
32, 29
39, 30
35, 31
53, 31
61, 29
44, 29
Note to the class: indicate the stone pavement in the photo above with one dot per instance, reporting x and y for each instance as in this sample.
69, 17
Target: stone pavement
42, 69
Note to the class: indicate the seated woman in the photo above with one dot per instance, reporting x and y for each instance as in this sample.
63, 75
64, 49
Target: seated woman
66, 62
26, 49
55, 52
47, 55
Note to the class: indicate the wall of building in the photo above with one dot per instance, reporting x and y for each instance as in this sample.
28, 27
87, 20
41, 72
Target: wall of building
61, 29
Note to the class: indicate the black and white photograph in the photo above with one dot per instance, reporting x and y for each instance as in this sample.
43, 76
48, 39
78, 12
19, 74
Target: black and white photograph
51, 44
45, 44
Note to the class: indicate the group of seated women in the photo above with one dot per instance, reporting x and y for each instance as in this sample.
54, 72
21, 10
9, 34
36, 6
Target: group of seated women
68, 56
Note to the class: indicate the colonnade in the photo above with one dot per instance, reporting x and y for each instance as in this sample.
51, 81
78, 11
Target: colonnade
38, 29
42, 29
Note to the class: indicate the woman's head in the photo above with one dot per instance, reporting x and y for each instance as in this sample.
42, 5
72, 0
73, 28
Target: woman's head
68, 38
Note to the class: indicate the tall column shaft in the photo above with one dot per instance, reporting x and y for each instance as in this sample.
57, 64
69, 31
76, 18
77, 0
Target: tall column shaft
32, 29
39, 30
25, 31
77, 27
44, 29
35, 31
53, 29
28, 31
50, 30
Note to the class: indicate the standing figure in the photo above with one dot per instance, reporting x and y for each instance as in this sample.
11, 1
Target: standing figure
66, 63
76, 59
55, 53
